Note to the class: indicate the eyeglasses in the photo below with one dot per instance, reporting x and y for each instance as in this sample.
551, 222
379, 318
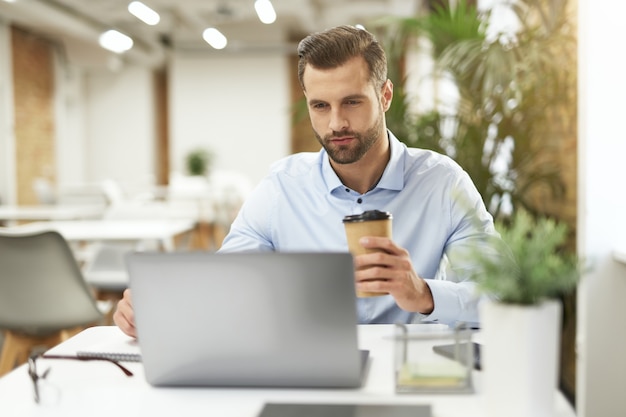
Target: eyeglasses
35, 376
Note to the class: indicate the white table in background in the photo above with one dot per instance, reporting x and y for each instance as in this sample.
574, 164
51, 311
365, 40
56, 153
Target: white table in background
155, 210
12, 213
100, 389
162, 231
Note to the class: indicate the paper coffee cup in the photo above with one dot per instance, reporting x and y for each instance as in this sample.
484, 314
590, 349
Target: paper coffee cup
368, 223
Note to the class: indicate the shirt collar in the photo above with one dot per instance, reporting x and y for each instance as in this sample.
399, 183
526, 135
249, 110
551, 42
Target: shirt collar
393, 175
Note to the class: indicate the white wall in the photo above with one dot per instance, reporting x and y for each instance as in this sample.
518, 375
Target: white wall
119, 125
601, 376
70, 130
237, 105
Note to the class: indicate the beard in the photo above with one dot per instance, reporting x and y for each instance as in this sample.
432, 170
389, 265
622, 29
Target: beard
347, 154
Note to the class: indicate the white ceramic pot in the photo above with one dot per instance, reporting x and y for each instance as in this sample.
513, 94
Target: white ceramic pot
520, 358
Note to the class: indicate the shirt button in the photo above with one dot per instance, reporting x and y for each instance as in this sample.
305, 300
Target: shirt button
360, 200
347, 190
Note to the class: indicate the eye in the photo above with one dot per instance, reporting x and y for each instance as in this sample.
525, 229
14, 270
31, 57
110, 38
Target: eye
353, 102
319, 106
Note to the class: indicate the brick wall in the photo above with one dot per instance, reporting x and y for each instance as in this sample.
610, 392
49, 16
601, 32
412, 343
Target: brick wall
33, 83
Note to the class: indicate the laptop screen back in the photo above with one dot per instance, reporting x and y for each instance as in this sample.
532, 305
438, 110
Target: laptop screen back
246, 319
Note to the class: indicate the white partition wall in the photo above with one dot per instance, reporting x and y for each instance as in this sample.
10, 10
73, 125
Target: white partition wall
235, 104
70, 129
120, 125
601, 376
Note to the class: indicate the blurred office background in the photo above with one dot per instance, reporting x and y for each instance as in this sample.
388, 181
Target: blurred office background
133, 117
75, 116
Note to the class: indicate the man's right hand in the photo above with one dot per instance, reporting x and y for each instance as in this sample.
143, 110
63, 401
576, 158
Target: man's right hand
124, 316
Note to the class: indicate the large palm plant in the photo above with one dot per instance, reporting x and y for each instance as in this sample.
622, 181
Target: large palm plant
516, 95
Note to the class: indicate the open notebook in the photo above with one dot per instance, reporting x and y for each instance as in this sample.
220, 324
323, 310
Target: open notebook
118, 347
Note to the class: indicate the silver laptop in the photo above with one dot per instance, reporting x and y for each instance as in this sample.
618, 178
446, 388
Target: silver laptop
246, 319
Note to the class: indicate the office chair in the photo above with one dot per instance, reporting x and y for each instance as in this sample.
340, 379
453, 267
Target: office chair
43, 296
107, 275
112, 191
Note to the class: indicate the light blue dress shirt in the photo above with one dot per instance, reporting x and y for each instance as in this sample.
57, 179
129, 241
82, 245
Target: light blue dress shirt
437, 216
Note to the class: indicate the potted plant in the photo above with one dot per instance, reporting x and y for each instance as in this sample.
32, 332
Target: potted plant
521, 318
198, 162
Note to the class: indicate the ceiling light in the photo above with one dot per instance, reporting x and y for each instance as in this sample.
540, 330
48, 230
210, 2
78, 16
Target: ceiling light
265, 11
214, 38
115, 41
144, 13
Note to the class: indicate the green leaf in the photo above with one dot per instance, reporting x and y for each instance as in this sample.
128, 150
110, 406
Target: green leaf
532, 265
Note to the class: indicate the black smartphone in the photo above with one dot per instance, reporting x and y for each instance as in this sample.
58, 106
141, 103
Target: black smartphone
448, 352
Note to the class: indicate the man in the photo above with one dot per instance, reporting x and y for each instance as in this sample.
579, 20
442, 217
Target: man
438, 215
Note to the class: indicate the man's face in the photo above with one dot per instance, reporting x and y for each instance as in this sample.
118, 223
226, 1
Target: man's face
346, 111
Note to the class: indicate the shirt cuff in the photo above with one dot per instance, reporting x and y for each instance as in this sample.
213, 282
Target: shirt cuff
453, 302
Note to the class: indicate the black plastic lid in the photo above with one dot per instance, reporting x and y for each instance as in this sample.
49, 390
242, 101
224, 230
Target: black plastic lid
367, 216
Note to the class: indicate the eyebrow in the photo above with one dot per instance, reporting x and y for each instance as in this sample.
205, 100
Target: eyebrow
349, 97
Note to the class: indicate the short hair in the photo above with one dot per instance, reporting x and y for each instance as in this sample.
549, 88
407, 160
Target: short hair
334, 47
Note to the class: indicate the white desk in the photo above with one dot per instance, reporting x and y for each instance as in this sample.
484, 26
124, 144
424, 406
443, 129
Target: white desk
157, 210
50, 212
100, 389
162, 231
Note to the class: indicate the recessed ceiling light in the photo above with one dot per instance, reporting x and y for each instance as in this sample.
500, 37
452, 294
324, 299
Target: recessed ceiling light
144, 13
215, 38
265, 11
115, 41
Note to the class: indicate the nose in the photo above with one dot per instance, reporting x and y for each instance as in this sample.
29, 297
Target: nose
338, 121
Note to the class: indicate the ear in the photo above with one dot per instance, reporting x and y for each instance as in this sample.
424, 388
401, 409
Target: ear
386, 95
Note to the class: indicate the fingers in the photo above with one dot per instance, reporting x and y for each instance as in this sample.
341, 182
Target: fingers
382, 276
390, 270
410, 292
383, 244
124, 316
381, 265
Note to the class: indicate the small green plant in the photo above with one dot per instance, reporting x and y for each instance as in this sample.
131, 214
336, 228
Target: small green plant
533, 265
198, 161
